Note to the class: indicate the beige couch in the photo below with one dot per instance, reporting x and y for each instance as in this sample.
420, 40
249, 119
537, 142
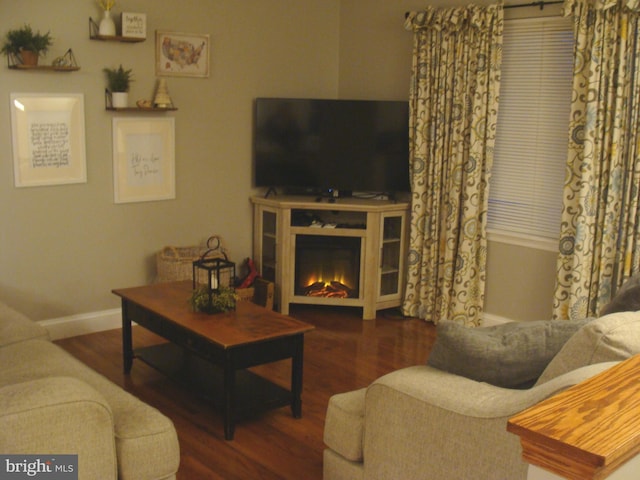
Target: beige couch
51, 403
425, 423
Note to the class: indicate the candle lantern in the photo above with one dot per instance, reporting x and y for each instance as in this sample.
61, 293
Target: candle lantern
215, 274
213, 278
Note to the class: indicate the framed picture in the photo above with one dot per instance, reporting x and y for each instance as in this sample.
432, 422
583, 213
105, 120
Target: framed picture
143, 159
48, 139
182, 54
134, 25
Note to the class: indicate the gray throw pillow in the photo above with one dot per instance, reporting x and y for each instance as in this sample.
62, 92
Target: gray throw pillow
627, 299
510, 355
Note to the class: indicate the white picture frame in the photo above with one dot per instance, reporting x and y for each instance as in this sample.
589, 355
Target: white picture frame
182, 54
48, 139
134, 25
143, 159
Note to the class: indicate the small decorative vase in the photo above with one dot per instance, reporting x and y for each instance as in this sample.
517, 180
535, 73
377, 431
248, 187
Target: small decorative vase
119, 99
107, 26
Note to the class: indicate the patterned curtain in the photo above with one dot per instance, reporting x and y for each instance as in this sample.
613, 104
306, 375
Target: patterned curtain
599, 242
453, 107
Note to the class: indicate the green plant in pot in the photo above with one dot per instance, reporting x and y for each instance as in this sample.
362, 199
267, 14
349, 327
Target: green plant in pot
24, 46
118, 83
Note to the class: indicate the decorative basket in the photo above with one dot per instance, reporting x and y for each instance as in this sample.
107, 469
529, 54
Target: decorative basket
245, 294
176, 263
261, 293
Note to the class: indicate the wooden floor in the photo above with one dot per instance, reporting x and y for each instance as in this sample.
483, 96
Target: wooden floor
343, 353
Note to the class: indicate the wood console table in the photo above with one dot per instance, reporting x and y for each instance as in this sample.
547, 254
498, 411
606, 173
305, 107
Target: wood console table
589, 430
380, 226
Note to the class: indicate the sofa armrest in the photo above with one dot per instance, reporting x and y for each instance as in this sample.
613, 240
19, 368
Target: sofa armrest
59, 415
16, 327
421, 422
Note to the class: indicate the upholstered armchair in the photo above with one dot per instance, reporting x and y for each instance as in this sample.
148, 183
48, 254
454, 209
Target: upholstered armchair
424, 422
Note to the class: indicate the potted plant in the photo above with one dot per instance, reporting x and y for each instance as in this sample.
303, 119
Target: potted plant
25, 46
118, 82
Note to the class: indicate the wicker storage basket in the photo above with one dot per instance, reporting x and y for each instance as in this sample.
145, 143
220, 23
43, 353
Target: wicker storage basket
261, 293
245, 294
176, 263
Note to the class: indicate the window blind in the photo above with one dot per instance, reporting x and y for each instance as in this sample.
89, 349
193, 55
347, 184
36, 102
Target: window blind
525, 196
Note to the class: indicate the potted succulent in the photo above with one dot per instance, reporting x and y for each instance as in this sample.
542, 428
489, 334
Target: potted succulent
25, 46
118, 82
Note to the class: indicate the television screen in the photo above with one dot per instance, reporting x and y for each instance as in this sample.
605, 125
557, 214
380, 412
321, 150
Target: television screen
322, 145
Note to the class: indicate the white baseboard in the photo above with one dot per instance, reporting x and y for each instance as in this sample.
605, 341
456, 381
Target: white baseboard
74, 325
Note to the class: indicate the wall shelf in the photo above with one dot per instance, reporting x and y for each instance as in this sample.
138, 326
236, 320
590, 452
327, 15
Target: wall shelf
141, 109
116, 38
44, 67
64, 63
94, 35
108, 105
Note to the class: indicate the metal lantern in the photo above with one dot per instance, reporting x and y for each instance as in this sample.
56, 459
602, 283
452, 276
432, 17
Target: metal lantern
213, 273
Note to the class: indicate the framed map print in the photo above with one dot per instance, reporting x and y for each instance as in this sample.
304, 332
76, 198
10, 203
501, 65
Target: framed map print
182, 54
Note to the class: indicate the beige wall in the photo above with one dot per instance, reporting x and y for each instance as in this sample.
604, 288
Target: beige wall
63, 248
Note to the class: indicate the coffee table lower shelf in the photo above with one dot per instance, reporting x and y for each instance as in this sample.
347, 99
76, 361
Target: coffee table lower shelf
254, 394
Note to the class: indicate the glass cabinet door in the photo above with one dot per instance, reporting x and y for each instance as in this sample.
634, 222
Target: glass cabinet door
268, 254
391, 255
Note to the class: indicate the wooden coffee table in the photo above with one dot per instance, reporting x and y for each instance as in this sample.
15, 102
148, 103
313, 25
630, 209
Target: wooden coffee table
212, 352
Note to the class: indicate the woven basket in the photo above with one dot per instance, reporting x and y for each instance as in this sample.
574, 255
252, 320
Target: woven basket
261, 293
176, 263
245, 294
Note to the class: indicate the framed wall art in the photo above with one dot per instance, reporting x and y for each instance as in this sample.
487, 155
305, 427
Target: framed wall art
182, 54
143, 159
48, 139
134, 25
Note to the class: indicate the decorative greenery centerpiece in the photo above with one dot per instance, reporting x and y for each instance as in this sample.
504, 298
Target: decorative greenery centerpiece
222, 301
25, 45
118, 79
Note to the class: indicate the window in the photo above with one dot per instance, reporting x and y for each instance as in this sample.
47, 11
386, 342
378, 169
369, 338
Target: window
525, 198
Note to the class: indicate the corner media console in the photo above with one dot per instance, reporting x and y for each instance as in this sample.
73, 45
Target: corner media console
347, 253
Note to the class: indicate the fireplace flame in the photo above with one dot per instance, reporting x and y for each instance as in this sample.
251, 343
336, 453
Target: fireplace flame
316, 286
328, 290
326, 280
320, 278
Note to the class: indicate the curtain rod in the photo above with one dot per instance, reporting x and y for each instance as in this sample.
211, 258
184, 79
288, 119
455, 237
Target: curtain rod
540, 4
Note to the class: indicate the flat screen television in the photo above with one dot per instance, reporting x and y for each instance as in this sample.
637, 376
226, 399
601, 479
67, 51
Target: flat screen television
318, 146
